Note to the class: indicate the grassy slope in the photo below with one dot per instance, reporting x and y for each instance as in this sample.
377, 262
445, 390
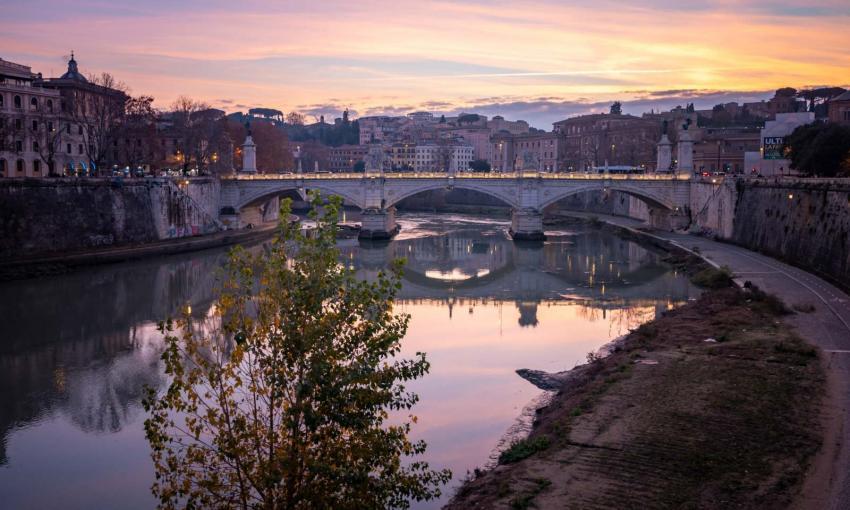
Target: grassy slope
731, 424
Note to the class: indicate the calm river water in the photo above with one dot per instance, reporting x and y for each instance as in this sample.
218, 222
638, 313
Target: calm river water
76, 350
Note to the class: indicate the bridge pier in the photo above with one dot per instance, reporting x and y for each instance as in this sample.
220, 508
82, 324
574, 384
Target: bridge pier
378, 224
527, 225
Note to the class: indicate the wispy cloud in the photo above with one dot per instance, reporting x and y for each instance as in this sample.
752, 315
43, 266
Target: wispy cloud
535, 58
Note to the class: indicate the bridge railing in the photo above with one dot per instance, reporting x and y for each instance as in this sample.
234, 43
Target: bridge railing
464, 175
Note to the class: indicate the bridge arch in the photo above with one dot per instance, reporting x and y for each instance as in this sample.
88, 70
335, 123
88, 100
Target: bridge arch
652, 199
498, 193
267, 192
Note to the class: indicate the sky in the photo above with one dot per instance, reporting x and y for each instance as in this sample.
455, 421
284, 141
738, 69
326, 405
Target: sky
540, 61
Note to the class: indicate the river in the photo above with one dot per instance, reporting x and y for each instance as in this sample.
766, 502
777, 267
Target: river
77, 349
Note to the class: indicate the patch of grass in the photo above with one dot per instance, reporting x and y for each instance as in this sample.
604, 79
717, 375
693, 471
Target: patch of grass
526, 500
523, 448
770, 303
713, 278
804, 307
795, 348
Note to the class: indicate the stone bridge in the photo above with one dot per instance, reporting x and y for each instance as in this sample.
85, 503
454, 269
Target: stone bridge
666, 195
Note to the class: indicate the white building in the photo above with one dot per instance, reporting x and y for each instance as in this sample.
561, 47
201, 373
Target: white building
770, 160
431, 157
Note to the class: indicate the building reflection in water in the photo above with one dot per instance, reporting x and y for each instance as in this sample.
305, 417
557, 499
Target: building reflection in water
77, 350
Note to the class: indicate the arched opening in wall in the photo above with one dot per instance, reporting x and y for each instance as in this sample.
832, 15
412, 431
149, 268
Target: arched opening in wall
3, 168
605, 201
21, 167
457, 199
264, 209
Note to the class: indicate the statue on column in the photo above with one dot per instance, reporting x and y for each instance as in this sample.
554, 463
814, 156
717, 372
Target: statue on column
249, 153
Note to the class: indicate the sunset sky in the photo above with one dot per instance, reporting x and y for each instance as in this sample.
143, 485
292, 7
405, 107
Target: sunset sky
536, 60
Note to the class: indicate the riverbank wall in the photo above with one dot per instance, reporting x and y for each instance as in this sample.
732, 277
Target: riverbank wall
40, 217
803, 222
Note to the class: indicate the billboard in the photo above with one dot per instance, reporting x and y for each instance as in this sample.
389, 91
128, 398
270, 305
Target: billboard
774, 147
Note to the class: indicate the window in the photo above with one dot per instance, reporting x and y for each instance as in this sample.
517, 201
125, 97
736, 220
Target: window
1, 106
33, 104
50, 126
68, 129
21, 166
80, 129
19, 124
2, 167
35, 146
18, 103
50, 105
68, 148
80, 149
35, 125
19, 146
36, 166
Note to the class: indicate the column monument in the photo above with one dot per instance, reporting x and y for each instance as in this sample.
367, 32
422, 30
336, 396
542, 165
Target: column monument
665, 151
249, 154
685, 146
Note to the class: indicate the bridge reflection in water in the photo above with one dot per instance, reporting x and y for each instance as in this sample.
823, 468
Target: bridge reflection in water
76, 350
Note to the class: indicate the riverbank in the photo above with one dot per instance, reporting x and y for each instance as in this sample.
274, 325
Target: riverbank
714, 405
58, 264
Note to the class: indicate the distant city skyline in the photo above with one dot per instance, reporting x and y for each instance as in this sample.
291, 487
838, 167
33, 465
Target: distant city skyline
538, 61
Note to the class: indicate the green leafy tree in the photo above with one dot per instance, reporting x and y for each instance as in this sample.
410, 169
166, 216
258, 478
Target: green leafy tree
617, 108
479, 165
820, 149
283, 399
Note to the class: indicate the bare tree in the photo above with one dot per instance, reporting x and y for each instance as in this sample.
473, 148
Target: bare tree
200, 131
98, 108
137, 132
295, 118
47, 138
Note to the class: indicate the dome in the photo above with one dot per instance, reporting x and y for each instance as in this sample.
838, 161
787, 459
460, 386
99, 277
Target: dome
73, 73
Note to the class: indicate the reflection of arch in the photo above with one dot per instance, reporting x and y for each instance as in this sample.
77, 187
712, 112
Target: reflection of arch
269, 192
497, 193
651, 199
472, 282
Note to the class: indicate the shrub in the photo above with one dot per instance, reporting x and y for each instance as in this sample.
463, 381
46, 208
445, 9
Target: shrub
713, 278
523, 448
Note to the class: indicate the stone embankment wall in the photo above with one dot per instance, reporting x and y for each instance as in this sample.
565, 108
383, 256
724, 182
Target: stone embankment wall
45, 216
805, 222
